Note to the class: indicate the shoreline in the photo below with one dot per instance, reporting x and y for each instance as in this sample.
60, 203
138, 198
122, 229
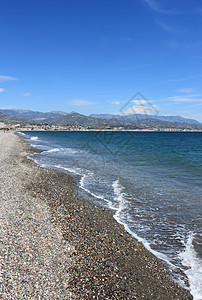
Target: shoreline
107, 262
112, 130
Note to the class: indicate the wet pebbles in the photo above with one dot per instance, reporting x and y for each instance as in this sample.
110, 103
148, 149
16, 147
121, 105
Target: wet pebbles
56, 245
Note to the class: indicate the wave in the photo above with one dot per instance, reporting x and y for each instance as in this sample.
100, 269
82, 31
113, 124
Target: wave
34, 138
76, 171
36, 146
191, 261
119, 204
65, 150
82, 186
120, 197
79, 172
21, 133
53, 150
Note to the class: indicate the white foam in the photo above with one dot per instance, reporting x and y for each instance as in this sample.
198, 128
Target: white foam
34, 138
35, 146
191, 261
19, 132
100, 197
119, 196
66, 150
54, 150
70, 170
82, 186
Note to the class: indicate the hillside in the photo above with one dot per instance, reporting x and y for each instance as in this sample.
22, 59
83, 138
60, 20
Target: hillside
136, 123
136, 117
7, 119
36, 116
102, 121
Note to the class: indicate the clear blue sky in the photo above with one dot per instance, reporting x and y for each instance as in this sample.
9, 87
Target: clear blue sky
93, 56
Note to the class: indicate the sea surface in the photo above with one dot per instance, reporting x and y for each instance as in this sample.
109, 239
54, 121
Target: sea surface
150, 180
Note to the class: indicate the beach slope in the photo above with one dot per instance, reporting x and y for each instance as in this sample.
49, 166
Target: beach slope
56, 245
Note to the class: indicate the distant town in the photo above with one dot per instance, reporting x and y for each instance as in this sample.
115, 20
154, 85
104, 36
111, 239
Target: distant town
26, 120
29, 127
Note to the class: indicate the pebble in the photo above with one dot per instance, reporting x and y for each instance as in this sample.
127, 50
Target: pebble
56, 245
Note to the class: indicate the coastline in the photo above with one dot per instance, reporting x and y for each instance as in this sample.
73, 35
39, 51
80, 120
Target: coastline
106, 261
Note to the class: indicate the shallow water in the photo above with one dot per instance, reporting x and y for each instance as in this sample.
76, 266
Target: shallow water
152, 182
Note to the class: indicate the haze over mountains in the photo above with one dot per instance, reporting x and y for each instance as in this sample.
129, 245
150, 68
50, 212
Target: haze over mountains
177, 119
96, 120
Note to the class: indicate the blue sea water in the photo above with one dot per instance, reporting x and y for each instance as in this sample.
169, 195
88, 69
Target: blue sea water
151, 181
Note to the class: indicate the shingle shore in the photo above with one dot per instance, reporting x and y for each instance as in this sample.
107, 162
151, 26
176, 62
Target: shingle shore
56, 245
34, 257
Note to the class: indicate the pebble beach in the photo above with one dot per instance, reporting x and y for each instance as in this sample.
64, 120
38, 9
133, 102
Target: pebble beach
57, 245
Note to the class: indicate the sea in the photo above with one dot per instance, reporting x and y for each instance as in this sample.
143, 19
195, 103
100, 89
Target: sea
150, 180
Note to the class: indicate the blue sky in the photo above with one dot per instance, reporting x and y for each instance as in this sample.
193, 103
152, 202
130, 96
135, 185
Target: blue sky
93, 56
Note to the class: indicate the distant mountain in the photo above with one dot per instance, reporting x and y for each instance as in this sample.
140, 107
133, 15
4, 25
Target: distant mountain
41, 116
7, 119
138, 117
177, 119
33, 115
79, 119
99, 121
112, 121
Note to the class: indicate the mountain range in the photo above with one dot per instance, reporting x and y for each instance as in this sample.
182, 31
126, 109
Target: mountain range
35, 116
138, 117
9, 119
137, 121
